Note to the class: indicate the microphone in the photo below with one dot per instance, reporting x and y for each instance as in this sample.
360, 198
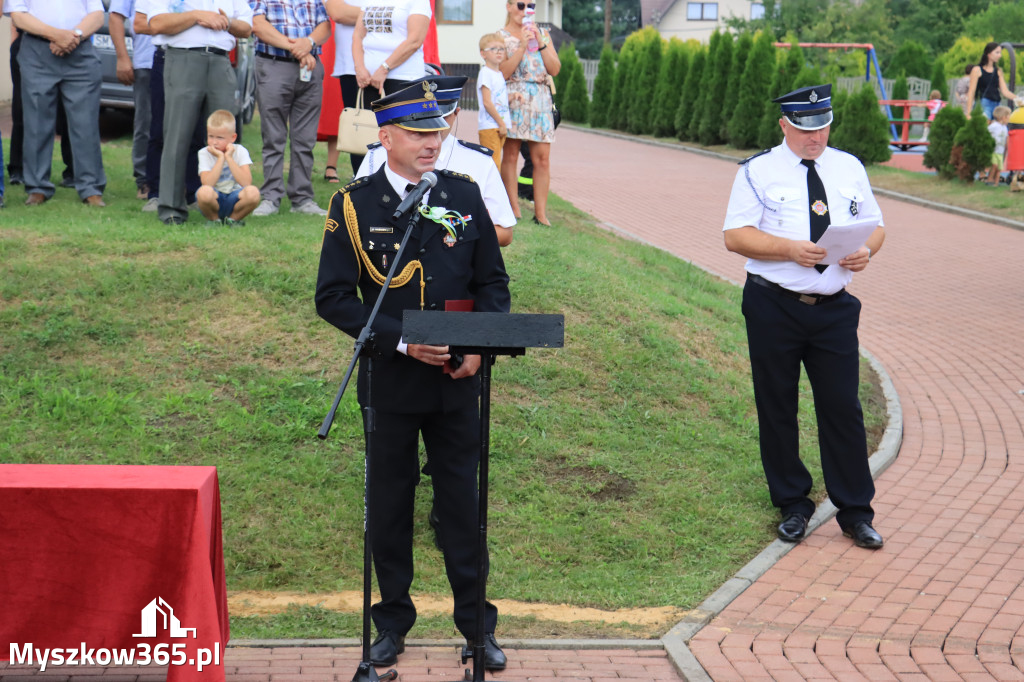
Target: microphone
428, 180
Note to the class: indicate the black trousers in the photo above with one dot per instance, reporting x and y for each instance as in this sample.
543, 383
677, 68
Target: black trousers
452, 441
782, 333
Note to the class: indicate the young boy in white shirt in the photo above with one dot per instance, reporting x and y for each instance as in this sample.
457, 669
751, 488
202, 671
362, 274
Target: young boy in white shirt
492, 94
227, 194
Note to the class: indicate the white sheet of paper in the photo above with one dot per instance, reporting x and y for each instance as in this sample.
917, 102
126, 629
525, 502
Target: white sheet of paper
842, 240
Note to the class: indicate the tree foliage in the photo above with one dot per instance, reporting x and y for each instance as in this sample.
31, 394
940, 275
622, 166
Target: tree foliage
864, 130
972, 147
944, 128
674, 66
649, 51
710, 116
707, 86
688, 98
604, 83
753, 93
739, 60
911, 59
787, 66
618, 112
1004, 21
939, 80
900, 89
573, 101
887, 24
584, 21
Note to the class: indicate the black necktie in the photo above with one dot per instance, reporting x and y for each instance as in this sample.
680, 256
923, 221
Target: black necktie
817, 204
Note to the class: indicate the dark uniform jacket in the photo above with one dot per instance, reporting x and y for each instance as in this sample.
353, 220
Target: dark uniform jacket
359, 246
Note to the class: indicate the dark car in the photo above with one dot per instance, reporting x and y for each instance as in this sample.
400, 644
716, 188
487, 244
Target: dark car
116, 95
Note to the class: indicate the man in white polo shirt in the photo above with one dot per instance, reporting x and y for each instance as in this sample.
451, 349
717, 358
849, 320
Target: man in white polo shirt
57, 59
198, 79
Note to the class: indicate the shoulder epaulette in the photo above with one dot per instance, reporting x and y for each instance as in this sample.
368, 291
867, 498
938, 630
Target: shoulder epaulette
355, 184
750, 158
374, 145
476, 147
452, 174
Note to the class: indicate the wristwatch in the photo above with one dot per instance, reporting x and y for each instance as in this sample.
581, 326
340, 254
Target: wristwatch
312, 42
386, 67
78, 32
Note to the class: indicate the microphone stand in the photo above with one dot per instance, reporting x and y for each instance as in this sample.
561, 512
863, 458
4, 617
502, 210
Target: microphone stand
366, 672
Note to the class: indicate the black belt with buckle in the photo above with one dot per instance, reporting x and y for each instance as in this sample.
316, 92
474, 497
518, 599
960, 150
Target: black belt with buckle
212, 50
276, 58
809, 299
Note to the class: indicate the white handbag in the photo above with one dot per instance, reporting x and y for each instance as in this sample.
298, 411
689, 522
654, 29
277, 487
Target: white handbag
357, 127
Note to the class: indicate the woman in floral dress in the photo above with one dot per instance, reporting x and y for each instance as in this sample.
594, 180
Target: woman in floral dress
529, 101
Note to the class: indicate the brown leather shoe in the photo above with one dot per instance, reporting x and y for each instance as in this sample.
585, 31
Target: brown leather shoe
35, 198
94, 200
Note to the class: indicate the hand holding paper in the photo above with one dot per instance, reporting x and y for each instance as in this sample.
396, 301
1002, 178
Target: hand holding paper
842, 240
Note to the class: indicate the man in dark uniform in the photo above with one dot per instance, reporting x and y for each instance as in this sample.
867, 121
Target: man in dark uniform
452, 255
797, 310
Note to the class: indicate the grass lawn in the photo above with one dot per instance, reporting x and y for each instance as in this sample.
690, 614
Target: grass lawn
625, 466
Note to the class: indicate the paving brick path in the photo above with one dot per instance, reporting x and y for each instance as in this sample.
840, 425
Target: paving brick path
417, 664
943, 312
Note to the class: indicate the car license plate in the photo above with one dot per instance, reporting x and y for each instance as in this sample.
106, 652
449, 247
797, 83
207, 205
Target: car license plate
104, 42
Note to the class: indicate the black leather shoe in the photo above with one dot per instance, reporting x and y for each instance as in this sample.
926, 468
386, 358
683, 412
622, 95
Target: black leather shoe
793, 528
494, 657
385, 649
864, 535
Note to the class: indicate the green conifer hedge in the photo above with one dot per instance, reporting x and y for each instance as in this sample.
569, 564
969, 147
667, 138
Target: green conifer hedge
946, 125
670, 86
688, 98
753, 94
604, 83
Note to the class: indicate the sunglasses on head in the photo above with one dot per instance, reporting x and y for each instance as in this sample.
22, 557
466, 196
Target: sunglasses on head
524, 5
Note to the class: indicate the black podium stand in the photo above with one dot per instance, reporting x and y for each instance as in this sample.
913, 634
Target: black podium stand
487, 335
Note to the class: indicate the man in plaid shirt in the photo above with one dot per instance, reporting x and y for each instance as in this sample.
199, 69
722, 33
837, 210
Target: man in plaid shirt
289, 86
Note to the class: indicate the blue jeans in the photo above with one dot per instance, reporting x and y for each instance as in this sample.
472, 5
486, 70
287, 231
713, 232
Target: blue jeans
989, 107
226, 203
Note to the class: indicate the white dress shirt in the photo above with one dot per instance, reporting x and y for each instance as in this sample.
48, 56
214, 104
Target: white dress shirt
770, 193
62, 14
200, 36
461, 159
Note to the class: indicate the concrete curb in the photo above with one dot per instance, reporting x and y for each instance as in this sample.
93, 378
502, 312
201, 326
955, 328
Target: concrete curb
550, 644
898, 196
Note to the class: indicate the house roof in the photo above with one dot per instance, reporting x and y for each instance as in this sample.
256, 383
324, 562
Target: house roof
651, 11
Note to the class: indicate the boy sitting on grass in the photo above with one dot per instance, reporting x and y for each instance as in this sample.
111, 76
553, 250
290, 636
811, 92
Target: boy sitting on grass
227, 194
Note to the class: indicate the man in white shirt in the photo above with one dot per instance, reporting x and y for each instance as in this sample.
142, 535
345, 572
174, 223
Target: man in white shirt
198, 79
798, 311
458, 155
57, 59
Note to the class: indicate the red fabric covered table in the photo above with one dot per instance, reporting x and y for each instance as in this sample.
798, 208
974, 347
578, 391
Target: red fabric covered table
86, 549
